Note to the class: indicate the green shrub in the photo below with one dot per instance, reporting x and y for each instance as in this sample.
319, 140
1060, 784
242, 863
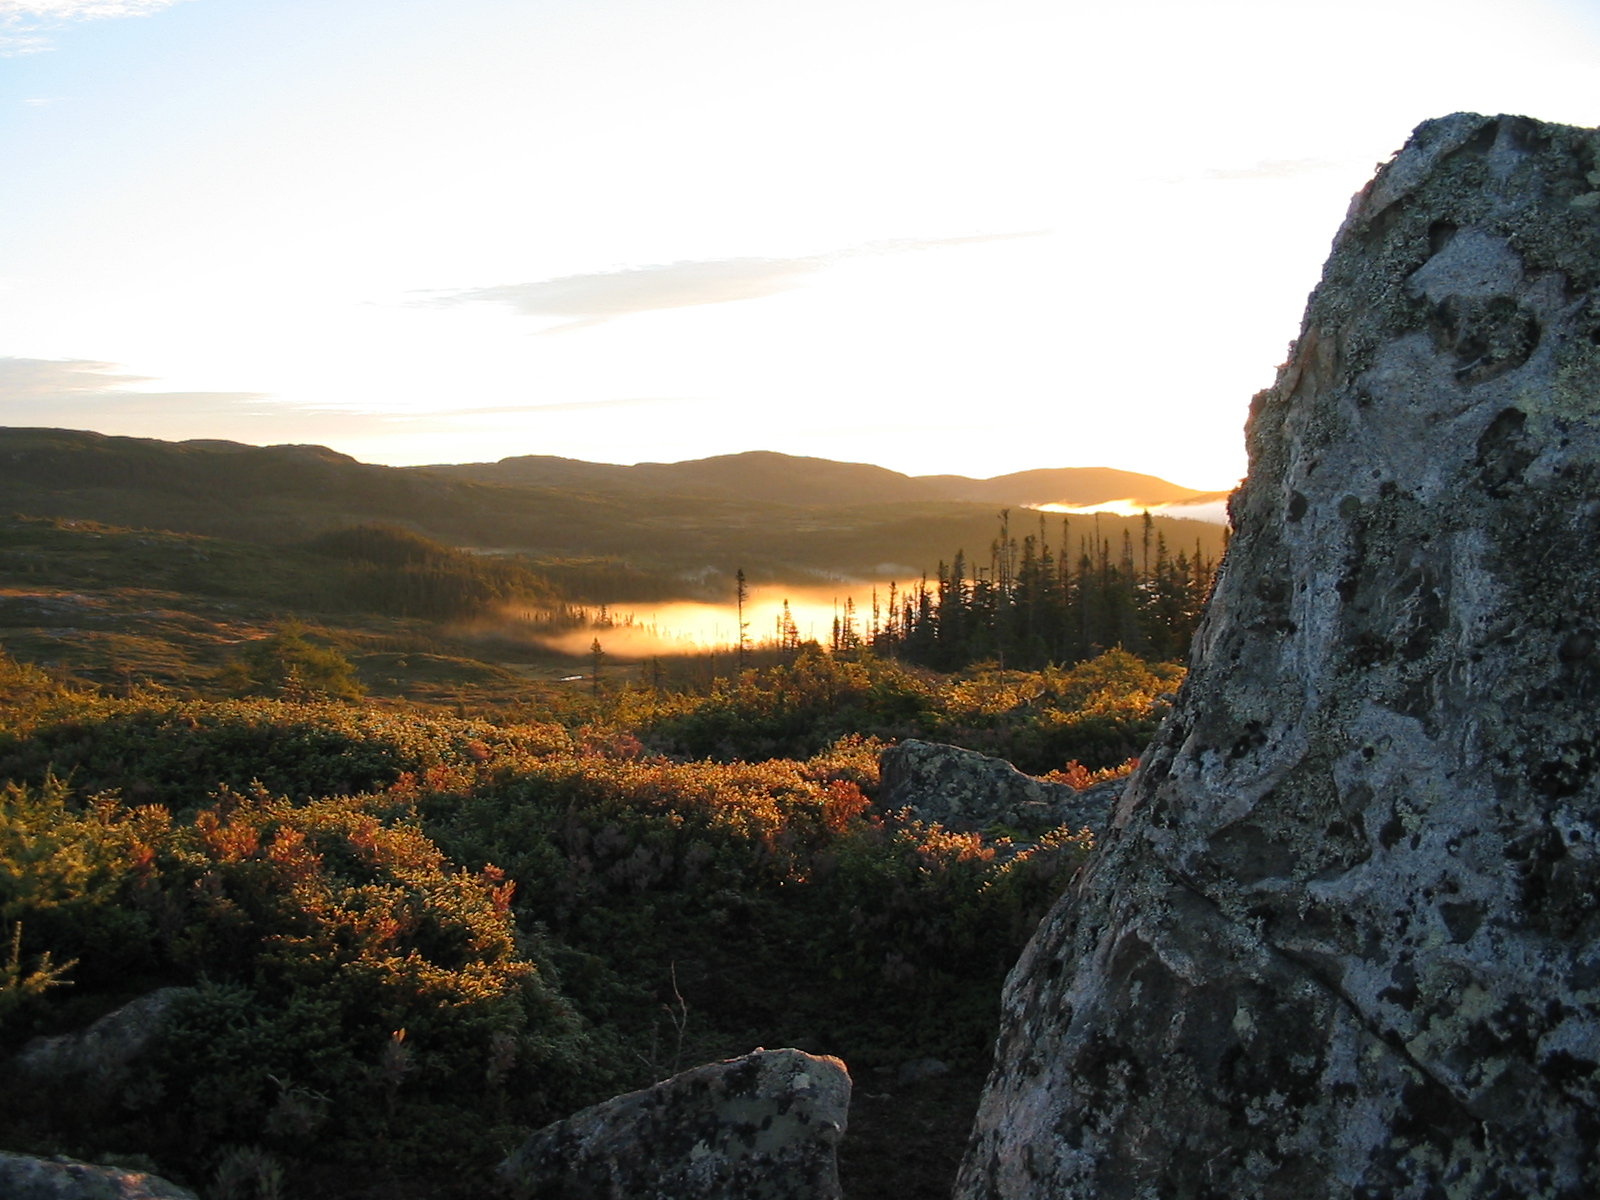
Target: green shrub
412, 938
360, 999
768, 893
1100, 712
795, 709
177, 753
290, 665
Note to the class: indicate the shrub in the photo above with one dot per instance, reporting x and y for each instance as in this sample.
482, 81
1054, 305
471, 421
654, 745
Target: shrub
1100, 712
782, 907
359, 998
289, 665
176, 753
795, 709
411, 938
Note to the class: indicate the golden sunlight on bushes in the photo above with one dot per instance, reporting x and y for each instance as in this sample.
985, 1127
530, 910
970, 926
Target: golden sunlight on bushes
412, 937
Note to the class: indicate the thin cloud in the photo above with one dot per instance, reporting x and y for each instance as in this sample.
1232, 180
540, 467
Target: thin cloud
32, 380
600, 296
85, 394
563, 406
23, 23
1275, 168
606, 295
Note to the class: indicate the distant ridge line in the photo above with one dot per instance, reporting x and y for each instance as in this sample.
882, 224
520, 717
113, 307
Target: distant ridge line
773, 477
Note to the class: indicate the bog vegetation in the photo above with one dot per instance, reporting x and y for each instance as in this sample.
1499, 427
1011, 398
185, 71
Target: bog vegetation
410, 928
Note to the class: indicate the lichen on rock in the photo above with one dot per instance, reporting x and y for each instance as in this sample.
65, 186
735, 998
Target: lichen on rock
23, 1177
970, 792
1343, 935
765, 1126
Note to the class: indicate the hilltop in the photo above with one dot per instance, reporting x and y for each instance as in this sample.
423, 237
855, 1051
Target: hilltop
769, 477
644, 532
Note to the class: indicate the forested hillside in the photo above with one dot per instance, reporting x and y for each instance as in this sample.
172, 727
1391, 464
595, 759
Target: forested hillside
685, 544
763, 475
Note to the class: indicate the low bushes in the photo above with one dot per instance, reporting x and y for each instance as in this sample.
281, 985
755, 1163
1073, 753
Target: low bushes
356, 997
1100, 712
175, 753
411, 939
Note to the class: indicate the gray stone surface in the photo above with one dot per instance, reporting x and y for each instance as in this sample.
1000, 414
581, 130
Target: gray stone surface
99, 1056
1341, 937
967, 791
762, 1127
25, 1178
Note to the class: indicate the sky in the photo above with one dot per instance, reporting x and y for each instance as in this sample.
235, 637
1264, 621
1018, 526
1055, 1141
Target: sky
945, 236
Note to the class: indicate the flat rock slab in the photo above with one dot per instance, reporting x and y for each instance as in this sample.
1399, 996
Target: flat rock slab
762, 1127
26, 1178
1342, 938
969, 792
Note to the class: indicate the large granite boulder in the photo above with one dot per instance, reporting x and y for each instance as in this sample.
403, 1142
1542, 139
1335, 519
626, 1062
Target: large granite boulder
1341, 937
762, 1127
26, 1178
969, 792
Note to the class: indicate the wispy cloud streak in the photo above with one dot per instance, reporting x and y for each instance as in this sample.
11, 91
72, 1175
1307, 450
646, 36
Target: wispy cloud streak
85, 394
600, 296
24, 23
1274, 168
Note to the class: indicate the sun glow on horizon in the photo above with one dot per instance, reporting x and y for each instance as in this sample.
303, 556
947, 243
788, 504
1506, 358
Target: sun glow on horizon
1211, 509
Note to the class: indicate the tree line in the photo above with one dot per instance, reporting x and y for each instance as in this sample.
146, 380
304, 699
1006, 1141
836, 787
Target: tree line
395, 571
1036, 604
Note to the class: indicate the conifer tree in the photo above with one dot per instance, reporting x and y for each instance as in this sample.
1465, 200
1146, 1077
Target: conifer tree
742, 593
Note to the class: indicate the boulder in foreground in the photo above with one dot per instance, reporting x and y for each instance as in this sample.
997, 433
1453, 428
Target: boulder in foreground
26, 1178
1342, 938
969, 792
762, 1127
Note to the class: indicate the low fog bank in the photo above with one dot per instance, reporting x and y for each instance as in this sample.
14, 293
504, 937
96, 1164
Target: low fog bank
1211, 508
632, 633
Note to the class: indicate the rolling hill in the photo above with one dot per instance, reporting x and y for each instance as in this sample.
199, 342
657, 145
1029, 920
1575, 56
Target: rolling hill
769, 477
778, 517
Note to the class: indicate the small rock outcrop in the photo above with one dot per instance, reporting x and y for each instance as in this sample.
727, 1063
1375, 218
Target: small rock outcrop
969, 792
1342, 938
98, 1057
762, 1127
26, 1178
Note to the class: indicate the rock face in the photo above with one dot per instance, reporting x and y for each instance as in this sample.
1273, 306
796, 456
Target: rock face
762, 1127
24, 1178
99, 1056
966, 791
1341, 939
